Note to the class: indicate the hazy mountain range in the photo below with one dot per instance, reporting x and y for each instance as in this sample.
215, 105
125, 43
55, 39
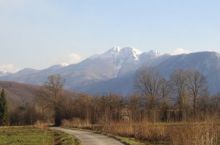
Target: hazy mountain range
114, 70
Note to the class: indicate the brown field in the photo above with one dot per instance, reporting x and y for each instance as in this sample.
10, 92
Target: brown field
184, 133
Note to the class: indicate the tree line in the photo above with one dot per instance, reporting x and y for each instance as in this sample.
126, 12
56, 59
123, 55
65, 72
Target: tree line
181, 97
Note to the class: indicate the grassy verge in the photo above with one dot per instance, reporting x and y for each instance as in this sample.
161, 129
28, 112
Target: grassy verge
65, 139
131, 140
25, 136
34, 136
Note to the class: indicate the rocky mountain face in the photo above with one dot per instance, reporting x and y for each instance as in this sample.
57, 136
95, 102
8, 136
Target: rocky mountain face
114, 70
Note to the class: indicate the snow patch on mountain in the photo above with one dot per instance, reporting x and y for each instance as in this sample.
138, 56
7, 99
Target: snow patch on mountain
7, 68
125, 52
179, 51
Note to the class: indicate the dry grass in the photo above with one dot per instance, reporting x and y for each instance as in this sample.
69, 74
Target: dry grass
77, 123
118, 128
184, 133
41, 125
206, 133
151, 132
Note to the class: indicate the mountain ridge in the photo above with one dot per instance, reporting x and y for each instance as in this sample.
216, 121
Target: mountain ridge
118, 66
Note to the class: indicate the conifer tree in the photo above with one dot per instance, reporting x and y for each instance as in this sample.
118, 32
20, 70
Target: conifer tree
3, 109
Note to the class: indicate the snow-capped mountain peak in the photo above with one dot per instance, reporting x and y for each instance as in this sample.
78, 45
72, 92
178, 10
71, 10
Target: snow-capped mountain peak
113, 50
125, 52
129, 51
154, 53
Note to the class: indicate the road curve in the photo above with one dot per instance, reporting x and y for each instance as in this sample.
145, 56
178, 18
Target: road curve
89, 137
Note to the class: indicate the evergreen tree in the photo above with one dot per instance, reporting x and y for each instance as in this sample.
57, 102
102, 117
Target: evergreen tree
3, 109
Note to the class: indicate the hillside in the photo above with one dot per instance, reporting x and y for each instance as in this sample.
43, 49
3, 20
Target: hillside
20, 93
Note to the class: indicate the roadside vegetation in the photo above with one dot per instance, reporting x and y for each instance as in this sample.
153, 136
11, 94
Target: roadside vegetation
25, 135
64, 139
184, 133
162, 111
34, 136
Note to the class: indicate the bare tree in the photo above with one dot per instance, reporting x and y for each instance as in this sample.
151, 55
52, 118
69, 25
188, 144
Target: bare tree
148, 83
164, 100
51, 96
136, 108
82, 107
197, 87
179, 86
110, 107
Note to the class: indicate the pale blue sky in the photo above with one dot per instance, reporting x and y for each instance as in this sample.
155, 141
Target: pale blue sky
39, 33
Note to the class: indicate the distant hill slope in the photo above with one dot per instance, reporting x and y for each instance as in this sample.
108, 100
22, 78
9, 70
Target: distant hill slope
20, 93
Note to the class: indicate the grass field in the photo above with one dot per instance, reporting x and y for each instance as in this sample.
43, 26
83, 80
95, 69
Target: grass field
34, 136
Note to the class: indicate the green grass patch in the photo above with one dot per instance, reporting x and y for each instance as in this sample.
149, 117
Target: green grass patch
34, 136
25, 136
65, 139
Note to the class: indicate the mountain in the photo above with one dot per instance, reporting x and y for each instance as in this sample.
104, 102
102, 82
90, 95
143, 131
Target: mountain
208, 63
111, 64
32, 76
3, 73
115, 70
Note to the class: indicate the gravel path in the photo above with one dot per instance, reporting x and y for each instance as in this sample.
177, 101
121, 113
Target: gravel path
89, 137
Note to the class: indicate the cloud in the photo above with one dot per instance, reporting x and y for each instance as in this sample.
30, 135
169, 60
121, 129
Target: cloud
70, 59
8, 68
178, 51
